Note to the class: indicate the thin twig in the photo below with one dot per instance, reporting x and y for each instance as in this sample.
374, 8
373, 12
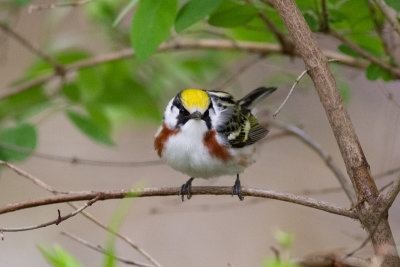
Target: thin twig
58, 67
122, 237
34, 7
90, 217
296, 82
388, 199
212, 44
100, 249
175, 191
321, 152
393, 70
324, 23
81, 161
290, 93
56, 221
390, 15
34, 179
379, 28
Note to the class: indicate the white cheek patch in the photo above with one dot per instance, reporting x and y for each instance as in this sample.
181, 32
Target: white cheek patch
170, 115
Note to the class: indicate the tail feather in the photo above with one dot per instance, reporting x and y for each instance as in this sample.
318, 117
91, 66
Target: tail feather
255, 96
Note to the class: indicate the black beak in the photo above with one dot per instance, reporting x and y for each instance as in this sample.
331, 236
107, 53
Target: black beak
196, 115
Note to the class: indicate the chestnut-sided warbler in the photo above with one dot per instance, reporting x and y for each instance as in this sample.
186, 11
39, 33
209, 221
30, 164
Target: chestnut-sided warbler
208, 134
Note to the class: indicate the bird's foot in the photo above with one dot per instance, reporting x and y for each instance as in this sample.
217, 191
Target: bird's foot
186, 189
237, 188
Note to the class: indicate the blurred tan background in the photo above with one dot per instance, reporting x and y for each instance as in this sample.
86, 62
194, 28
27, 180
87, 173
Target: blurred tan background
207, 230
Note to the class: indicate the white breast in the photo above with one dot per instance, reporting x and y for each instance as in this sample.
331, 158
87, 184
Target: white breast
185, 152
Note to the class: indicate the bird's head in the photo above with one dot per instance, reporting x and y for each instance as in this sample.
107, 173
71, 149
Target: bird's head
189, 104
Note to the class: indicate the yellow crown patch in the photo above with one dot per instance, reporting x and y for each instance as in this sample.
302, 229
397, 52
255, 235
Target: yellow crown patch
195, 98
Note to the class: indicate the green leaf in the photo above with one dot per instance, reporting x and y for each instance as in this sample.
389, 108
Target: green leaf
58, 257
124, 11
90, 128
22, 3
23, 136
115, 224
345, 91
231, 15
72, 92
348, 51
312, 21
151, 25
284, 239
22, 103
90, 84
395, 4
373, 72
193, 11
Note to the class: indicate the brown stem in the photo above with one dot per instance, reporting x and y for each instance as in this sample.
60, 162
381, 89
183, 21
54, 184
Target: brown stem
174, 191
393, 70
248, 47
349, 145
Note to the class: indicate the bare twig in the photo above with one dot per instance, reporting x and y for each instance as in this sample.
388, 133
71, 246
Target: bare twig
352, 153
34, 7
35, 180
58, 67
122, 237
174, 191
379, 29
56, 221
290, 93
324, 23
388, 201
100, 249
321, 152
331, 259
213, 44
81, 161
90, 217
393, 70
390, 15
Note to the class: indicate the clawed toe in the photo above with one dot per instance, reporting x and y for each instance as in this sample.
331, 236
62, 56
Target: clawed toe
186, 189
237, 188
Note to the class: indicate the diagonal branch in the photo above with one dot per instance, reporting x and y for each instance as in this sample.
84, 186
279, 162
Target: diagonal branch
56, 221
393, 70
299, 133
100, 249
390, 15
90, 217
352, 153
174, 191
58, 67
203, 44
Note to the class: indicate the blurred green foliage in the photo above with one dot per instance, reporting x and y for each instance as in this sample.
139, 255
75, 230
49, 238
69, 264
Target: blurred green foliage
139, 87
56, 256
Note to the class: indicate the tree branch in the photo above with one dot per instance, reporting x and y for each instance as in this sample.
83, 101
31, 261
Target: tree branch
212, 44
76, 160
346, 137
56, 221
390, 15
100, 249
299, 133
34, 7
174, 191
57, 66
393, 70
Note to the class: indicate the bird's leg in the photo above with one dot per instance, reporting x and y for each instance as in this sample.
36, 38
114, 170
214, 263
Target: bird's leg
186, 188
237, 188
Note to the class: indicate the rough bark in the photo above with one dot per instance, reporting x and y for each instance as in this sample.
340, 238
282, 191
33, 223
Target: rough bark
356, 164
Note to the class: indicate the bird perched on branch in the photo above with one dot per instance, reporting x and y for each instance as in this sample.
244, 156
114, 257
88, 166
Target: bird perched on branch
207, 134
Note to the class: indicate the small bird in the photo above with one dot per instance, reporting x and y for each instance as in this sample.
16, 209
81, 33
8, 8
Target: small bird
207, 134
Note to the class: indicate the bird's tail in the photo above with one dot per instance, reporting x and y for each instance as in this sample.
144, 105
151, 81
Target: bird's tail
255, 96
